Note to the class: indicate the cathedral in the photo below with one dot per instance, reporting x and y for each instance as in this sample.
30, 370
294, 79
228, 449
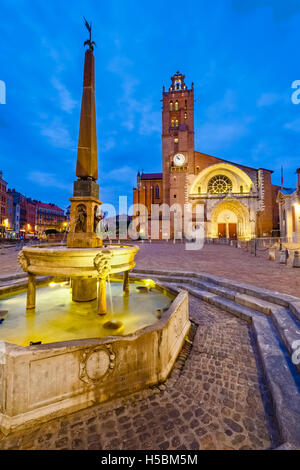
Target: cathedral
239, 202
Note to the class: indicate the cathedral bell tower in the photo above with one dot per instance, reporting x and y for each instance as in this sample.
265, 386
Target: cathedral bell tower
177, 139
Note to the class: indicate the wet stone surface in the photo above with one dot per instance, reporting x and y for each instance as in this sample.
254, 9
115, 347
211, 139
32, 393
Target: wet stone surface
215, 398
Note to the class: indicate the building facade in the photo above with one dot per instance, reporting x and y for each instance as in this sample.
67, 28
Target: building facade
3, 216
49, 216
238, 201
289, 212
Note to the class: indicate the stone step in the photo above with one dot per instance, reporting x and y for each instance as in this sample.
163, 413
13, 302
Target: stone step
249, 289
246, 300
288, 329
244, 313
282, 378
253, 297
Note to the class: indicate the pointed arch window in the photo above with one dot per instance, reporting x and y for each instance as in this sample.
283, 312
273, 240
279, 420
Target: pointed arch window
171, 105
176, 106
172, 123
176, 123
157, 192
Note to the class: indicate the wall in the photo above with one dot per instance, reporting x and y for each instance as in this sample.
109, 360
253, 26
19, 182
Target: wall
46, 381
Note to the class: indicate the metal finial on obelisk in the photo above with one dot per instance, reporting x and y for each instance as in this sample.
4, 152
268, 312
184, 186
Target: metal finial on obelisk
89, 41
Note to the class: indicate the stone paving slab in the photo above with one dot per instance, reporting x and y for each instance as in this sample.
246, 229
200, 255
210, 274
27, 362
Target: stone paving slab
223, 261
215, 398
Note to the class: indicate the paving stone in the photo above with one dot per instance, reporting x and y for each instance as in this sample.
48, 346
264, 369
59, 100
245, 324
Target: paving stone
185, 415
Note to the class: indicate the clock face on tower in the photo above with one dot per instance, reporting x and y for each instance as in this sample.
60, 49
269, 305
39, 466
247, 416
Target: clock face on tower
179, 159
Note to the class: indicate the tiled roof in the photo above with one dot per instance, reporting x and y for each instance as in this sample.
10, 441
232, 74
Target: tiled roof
151, 176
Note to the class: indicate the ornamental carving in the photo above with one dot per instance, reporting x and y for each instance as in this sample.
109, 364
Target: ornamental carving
23, 261
96, 364
102, 263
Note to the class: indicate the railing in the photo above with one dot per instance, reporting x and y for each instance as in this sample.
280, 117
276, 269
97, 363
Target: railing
222, 195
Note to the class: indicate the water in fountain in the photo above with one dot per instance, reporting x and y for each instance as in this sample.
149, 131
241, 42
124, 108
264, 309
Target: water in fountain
58, 318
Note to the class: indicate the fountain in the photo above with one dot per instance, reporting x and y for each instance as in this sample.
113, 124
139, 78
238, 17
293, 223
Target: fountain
70, 350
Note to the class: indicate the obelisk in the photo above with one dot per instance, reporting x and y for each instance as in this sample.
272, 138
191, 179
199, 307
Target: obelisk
85, 204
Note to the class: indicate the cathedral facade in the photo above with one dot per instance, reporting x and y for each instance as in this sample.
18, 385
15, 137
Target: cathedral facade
238, 201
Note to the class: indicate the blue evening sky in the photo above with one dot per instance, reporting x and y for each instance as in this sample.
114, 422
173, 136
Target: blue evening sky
242, 56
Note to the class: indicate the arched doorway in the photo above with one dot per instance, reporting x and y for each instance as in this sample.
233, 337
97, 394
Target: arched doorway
230, 219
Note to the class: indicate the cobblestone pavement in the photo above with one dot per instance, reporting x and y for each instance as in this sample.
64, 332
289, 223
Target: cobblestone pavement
215, 398
222, 260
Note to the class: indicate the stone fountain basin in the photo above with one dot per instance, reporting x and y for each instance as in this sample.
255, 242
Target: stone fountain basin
58, 260
41, 382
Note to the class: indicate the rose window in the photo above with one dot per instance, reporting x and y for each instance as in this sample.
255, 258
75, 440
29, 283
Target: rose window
219, 184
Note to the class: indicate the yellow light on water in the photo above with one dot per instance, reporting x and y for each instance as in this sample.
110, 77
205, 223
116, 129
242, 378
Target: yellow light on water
149, 283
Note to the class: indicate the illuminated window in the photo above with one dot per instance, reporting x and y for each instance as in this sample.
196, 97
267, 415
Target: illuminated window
176, 140
172, 123
171, 105
176, 106
219, 184
185, 115
176, 123
157, 192
294, 218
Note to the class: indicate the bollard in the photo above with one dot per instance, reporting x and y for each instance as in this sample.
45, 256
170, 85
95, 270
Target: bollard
296, 261
272, 254
282, 257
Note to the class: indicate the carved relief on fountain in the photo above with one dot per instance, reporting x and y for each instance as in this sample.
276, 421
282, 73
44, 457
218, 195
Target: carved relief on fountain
96, 363
80, 225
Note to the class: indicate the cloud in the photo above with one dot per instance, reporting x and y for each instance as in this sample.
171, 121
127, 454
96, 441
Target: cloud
66, 101
124, 174
268, 99
281, 10
293, 125
57, 134
48, 180
226, 105
215, 135
107, 144
139, 113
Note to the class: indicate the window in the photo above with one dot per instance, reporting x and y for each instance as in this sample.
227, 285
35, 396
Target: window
185, 104
176, 106
199, 189
294, 218
157, 192
241, 189
172, 123
176, 140
185, 115
219, 184
171, 105
176, 123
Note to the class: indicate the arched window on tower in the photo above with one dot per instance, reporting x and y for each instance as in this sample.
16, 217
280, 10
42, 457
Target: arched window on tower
171, 105
172, 123
176, 106
176, 123
185, 105
157, 192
